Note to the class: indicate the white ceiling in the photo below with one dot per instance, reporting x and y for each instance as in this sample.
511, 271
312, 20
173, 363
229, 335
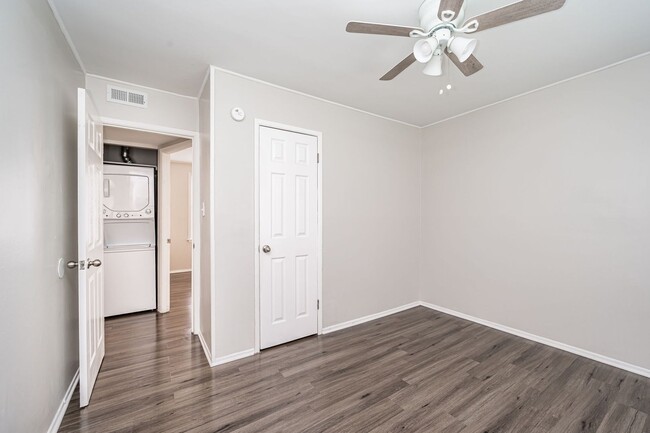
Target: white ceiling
302, 44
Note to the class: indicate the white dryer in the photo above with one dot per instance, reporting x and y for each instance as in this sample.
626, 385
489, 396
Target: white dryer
129, 239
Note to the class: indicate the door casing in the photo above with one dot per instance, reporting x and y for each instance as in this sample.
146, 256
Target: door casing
319, 230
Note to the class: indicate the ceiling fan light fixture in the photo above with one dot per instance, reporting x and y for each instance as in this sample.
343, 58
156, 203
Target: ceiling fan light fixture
462, 47
434, 66
424, 49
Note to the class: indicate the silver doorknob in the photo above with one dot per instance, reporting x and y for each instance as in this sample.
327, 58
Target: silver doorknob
96, 263
72, 264
266, 249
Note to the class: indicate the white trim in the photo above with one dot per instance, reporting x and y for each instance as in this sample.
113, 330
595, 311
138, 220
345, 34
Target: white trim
319, 179
190, 205
128, 83
60, 412
205, 81
584, 74
543, 340
212, 220
196, 240
206, 349
180, 271
368, 318
233, 357
338, 104
256, 197
66, 35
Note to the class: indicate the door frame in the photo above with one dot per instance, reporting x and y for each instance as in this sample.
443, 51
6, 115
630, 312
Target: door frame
163, 290
259, 123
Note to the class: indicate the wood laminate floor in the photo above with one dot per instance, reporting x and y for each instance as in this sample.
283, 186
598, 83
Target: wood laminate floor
415, 371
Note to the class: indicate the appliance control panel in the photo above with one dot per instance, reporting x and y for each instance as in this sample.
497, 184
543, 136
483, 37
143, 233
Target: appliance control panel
142, 214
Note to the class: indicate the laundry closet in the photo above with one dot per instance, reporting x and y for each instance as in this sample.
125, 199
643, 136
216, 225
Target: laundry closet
130, 219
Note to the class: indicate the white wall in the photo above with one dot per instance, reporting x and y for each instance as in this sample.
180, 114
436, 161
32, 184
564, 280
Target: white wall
536, 213
164, 109
205, 232
38, 311
371, 206
181, 246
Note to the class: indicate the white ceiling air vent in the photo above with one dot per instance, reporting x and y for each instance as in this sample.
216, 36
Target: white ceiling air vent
126, 96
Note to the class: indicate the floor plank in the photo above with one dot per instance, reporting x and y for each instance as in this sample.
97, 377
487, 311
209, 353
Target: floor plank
415, 371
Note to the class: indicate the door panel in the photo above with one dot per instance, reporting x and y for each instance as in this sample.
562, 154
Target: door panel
90, 147
288, 221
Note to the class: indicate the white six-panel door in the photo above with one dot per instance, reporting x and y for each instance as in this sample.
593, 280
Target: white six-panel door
288, 215
90, 245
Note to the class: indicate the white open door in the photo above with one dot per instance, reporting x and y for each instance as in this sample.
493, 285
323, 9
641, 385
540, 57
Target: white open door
90, 146
288, 194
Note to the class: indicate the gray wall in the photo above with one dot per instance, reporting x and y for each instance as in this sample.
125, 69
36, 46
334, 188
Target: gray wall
536, 213
205, 296
371, 206
38, 311
164, 108
180, 250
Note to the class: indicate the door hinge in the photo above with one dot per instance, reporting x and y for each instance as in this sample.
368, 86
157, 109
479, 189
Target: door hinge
318, 304
318, 158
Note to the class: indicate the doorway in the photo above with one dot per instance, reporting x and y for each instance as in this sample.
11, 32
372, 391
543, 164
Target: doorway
130, 147
288, 214
126, 199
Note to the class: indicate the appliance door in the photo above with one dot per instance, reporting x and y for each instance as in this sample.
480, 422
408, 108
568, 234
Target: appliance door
129, 280
128, 192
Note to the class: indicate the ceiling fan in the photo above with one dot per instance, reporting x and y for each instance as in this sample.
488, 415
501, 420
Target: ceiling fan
440, 28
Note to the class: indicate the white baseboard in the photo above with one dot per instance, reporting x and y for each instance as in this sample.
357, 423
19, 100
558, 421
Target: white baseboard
223, 359
58, 417
233, 357
180, 271
360, 320
206, 349
543, 340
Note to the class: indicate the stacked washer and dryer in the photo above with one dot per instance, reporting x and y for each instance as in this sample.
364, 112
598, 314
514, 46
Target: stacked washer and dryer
129, 239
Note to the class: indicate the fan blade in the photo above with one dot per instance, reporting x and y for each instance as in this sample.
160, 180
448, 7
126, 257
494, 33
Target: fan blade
380, 29
515, 12
468, 67
408, 61
450, 5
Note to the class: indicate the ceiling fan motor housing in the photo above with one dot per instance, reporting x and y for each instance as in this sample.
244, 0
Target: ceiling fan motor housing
443, 35
429, 14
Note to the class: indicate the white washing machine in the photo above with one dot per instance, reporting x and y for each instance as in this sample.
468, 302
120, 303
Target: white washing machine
129, 239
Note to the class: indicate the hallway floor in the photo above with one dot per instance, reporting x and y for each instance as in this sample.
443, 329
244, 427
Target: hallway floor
415, 371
